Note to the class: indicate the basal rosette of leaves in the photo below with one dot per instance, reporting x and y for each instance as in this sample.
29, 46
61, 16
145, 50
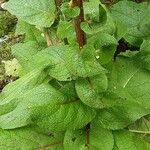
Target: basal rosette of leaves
73, 94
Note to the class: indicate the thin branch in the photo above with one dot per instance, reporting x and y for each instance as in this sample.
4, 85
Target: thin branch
48, 146
87, 136
47, 37
79, 32
140, 132
58, 3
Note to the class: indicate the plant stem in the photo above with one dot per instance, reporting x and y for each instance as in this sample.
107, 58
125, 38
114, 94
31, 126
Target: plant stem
141, 132
46, 33
79, 32
87, 136
47, 37
58, 3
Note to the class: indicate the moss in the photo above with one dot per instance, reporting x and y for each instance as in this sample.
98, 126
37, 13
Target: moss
5, 52
7, 23
7, 27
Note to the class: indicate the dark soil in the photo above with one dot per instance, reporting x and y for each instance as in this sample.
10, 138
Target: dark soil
123, 46
7, 80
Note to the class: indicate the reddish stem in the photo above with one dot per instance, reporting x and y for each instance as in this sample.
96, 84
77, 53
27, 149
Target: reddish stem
79, 32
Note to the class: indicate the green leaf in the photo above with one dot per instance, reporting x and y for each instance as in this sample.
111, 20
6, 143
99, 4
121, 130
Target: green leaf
66, 115
130, 14
130, 82
24, 83
24, 53
129, 76
30, 31
40, 13
49, 109
71, 109
121, 30
144, 54
89, 90
142, 126
103, 26
27, 139
33, 98
69, 113
121, 115
69, 12
95, 11
145, 47
145, 23
105, 46
15, 89
95, 138
135, 41
53, 58
82, 62
66, 30
97, 18
126, 140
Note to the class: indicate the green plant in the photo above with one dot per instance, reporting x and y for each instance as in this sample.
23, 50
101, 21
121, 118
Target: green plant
78, 93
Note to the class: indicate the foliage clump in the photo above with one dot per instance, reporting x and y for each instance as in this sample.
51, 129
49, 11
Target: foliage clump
78, 87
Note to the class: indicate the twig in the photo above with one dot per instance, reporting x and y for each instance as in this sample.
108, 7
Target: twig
79, 32
47, 37
58, 3
87, 136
